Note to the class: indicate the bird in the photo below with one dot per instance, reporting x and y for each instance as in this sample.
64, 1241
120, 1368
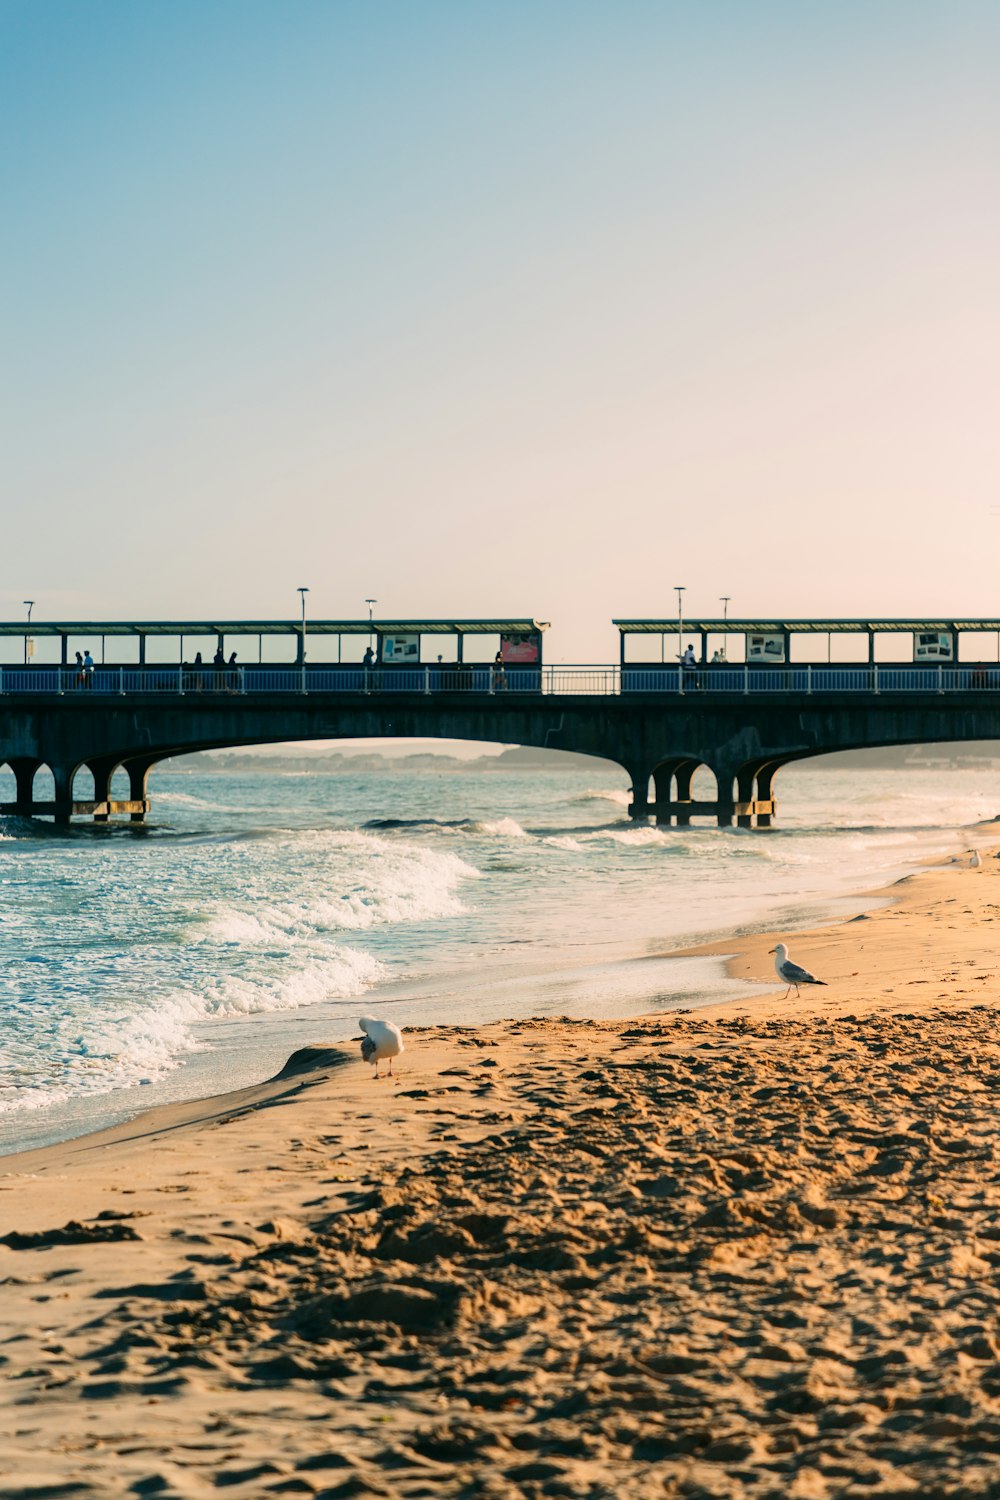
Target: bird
975, 859
791, 974
381, 1039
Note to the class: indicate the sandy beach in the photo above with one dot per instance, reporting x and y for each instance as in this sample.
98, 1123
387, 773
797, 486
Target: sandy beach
747, 1251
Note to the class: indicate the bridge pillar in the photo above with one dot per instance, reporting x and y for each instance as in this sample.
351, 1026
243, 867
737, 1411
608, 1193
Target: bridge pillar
138, 775
752, 802
24, 768
765, 791
62, 777
102, 772
745, 778
725, 803
684, 773
663, 776
666, 806
639, 807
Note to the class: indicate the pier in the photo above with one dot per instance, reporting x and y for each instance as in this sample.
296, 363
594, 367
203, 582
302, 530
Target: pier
742, 715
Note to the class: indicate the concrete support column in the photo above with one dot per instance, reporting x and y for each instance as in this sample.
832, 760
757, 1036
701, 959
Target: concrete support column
663, 776
685, 774
102, 771
765, 791
138, 775
745, 778
725, 802
24, 769
63, 779
639, 806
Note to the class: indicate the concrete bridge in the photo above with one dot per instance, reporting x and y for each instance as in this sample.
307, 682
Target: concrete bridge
660, 739
661, 724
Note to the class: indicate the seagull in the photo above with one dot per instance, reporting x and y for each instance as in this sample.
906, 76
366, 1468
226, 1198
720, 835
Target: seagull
381, 1039
975, 859
791, 974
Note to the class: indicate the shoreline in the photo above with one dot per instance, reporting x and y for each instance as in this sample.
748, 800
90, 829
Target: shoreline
229, 1058
748, 959
737, 956
747, 1250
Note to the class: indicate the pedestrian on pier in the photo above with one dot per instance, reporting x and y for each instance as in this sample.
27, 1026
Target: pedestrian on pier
198, 675
219, 663
88, 669
78, 680
233, 673
689, 666
499, 672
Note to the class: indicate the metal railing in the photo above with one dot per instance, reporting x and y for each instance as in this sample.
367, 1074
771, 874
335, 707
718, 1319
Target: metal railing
594, 681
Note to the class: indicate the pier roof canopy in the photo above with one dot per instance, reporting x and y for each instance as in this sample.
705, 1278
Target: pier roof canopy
798, 627
272, 627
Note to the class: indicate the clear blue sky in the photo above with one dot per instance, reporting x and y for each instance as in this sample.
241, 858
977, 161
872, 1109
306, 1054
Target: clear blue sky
499, 307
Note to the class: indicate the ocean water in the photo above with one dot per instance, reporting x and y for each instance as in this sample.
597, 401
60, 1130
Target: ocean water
262, 912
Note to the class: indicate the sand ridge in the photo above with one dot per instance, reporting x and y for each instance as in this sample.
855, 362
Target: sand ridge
746, 1252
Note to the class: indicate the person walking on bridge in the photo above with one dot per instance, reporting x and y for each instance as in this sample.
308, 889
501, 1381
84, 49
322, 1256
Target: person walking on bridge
88, 669
689, 666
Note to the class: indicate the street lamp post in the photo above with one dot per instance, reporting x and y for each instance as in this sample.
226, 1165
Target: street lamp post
371, 603
31, 604
302, 592
724, 601
679, 591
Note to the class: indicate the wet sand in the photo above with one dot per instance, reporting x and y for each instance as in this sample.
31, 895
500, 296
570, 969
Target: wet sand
747, 1251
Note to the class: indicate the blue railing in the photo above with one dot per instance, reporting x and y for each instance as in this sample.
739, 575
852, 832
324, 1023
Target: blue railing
807, 680
481, 679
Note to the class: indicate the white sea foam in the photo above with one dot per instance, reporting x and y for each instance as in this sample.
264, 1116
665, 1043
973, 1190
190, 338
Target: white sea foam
144, 1047
617, 795
500, 828
365, 882
640, 835
183, 799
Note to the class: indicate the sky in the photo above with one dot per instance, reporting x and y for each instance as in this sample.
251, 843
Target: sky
531, 308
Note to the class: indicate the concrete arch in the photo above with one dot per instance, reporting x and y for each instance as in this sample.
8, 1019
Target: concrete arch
673, 779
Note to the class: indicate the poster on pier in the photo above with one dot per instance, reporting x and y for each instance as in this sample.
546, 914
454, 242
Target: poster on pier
401, 648
521, 649
765, 648
933, 645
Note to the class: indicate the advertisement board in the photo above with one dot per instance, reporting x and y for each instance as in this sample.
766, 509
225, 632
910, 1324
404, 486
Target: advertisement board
932, 645
401, 648
765, 648
521, 650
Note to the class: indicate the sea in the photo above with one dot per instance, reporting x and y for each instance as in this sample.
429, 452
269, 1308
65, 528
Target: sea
263, 911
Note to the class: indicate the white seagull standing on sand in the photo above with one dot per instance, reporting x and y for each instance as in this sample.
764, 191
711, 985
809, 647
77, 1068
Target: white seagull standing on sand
791, 974
381, 1039
975, 859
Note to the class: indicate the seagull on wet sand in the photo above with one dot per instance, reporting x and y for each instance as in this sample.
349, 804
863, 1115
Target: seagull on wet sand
789, 973
975, 859
381, 1039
